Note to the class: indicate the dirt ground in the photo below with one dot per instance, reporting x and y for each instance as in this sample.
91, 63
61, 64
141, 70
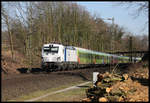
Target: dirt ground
15, 85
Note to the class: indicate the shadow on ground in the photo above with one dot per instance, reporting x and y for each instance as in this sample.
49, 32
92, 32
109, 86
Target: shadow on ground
143, 81
74, 74
33, 70
83, 86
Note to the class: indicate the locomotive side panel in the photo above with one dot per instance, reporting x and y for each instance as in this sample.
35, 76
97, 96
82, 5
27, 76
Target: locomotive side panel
71, 55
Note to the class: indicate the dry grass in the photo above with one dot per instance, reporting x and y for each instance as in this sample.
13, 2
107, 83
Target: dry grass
11, 66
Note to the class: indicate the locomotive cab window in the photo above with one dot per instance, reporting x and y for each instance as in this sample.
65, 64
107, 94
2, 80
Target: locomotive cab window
53, 49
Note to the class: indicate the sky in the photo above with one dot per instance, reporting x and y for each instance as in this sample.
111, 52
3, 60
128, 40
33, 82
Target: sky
122, 15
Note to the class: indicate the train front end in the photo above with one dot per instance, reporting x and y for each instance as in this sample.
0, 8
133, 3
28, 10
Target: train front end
52, 56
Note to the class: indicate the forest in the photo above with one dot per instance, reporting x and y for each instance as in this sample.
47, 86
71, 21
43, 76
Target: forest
33, 24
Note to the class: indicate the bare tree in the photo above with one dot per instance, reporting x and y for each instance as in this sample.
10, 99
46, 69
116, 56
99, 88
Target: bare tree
140, 8
7, 20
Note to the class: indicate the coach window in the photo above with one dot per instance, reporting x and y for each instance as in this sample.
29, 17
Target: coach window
80, 54
107, 59
87, 55
83, 55
97, 56
103, 58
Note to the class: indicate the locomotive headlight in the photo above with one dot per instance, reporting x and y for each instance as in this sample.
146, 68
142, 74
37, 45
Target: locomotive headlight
58, 58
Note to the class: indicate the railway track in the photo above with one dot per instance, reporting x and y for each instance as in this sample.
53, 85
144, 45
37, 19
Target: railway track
40, 71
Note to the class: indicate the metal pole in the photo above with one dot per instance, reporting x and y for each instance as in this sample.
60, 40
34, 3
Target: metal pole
130, 47
112, 42
112, 19
112, 34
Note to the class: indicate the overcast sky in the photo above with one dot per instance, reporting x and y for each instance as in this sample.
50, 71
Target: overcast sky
121, 14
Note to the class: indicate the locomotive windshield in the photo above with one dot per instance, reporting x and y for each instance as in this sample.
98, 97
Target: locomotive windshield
53, 49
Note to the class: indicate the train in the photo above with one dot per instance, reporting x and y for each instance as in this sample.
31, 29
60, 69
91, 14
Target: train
60, 57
